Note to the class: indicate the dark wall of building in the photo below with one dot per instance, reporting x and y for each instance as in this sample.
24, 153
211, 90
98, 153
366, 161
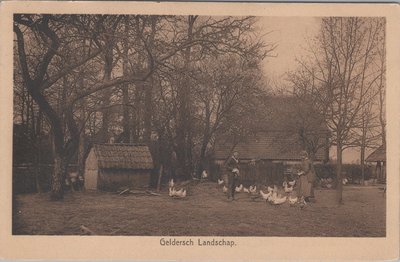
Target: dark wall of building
113, 179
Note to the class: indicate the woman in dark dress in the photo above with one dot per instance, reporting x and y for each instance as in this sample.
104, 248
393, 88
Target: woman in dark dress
232, 169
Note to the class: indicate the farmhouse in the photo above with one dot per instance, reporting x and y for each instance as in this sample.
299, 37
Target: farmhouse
379, 157
272, 149
110, 166
274, 146
289, 126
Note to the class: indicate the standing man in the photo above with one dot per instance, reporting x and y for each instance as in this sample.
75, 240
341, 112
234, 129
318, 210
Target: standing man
232, 169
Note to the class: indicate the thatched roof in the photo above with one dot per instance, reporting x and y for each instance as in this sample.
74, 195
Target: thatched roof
276, 134
378, 155
124, 156
283, 146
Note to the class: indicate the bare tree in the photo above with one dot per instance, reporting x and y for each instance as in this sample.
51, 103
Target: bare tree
338, 76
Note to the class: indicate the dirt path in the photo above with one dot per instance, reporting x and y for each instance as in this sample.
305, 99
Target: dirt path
205, 211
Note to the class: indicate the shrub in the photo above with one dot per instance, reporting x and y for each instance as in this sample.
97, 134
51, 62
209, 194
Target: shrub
350, 171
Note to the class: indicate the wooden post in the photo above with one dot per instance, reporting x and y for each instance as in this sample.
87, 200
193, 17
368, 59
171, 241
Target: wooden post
159, 177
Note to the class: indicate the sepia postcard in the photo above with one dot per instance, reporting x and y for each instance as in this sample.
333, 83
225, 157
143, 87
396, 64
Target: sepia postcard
199, 131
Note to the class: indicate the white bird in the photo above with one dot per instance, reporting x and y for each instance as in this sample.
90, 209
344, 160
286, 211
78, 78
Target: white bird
171, 183
224, 189
246, 190
279, 201
179, 192
288, 189
182, 194
239, 188
274, 195
220, 181
344, 181
172, 192
204, 174
292, 183
293, 201
253, 189
265, 196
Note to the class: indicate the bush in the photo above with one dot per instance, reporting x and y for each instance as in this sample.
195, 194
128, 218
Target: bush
350, 171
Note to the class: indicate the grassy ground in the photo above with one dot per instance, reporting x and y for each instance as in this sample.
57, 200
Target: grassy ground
205, 212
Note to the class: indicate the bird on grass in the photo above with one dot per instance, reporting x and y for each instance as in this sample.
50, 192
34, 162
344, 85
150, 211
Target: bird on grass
278, 200
287, 188
171, 183
292, 200
180, 193
264, 195
239, 188
253, 189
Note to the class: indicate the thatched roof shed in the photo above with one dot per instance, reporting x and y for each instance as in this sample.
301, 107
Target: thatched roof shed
110, 166
379, 155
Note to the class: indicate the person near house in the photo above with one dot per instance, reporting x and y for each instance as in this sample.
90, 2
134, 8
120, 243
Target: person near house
232, 169
306, 177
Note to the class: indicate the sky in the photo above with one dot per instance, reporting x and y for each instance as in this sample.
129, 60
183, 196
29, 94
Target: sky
290, 34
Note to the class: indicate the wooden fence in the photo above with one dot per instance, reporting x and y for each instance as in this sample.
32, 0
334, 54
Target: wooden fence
251, 173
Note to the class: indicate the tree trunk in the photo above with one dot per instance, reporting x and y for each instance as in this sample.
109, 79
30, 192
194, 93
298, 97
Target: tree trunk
339, 185
362, 162
81, 154
108, 61
57, 192
38, 151
126, 122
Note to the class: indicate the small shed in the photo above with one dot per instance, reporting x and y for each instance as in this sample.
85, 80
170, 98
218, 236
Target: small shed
379, 157
111, 166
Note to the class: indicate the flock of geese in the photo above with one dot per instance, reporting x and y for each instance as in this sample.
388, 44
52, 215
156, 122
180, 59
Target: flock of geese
272, 196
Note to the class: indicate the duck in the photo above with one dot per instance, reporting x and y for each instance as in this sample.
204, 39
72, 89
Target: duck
204, 174
225, 189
